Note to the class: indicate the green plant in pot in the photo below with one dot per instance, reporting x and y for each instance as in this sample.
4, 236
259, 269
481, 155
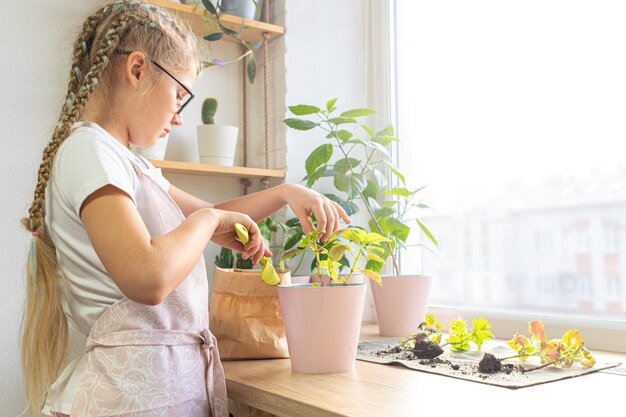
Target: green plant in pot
216, 143
323, 322
217, 30
357, 158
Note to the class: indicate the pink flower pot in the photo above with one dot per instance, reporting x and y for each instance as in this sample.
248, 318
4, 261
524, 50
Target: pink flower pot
322, 326
401, 303
355, 279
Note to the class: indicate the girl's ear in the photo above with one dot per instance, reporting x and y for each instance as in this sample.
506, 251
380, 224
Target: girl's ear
136, 68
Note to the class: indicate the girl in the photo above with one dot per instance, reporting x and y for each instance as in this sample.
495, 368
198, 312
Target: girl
116, 318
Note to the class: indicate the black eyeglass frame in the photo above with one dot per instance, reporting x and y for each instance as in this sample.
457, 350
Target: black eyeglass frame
190, 96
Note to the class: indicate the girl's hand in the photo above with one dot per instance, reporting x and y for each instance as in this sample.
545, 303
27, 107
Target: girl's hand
304, 202
226, 236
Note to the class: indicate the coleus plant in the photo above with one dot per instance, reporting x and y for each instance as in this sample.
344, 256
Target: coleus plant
459, 337
362, 243
561, 352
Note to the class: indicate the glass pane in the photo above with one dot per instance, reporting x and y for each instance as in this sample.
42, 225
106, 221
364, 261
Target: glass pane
513, 114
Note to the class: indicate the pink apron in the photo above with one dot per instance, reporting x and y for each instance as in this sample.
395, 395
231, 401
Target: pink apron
155, 360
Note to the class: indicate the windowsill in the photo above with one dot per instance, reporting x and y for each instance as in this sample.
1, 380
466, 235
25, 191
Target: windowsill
383, 390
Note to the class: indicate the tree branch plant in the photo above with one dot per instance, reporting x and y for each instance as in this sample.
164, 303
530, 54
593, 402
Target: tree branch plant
358, 170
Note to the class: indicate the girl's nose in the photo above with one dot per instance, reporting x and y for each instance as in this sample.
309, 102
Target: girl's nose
177, 119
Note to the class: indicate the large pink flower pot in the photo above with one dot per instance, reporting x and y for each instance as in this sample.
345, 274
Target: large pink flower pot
322, 326
401, 303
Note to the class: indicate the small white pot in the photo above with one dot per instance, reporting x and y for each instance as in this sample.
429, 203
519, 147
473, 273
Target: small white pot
156, 151
217, 144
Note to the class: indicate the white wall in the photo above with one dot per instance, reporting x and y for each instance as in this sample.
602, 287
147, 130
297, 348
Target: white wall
325, 43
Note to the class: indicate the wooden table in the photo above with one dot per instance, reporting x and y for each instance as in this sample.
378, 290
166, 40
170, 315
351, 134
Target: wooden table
382, 390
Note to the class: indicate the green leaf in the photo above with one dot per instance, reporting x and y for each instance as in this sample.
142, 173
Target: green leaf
300, 124
379, 177
346, 164
291, 253
388, 131
399, 191
209, 6
371, 190
357, 113
385, 212
341, 120
343, 135
303, 109
427, 232
265, 230
292, 237
348, 206
319, 172
395, 227
319, 156
378, 148
369, 131
373, 203
293, 222
394, 170
352, 183
251, 68
330, 104
216, 36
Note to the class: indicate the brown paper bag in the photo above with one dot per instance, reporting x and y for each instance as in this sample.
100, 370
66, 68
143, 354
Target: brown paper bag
245, 316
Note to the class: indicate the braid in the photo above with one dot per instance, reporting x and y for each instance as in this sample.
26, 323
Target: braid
74, 104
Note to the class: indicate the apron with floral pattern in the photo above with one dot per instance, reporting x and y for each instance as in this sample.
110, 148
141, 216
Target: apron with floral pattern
154, 360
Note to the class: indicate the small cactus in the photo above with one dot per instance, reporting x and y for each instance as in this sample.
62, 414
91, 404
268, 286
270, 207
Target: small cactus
209, 107
225, 259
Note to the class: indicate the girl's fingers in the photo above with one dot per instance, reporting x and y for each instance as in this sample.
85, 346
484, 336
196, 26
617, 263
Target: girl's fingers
341, 212
320, 215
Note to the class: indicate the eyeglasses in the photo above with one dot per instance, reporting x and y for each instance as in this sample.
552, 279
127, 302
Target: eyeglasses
182, 101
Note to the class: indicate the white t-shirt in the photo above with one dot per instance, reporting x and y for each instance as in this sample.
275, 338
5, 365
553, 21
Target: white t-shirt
87, 160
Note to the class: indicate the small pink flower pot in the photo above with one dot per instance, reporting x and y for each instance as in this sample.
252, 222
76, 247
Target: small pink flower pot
322, 326
354, 279
401, 303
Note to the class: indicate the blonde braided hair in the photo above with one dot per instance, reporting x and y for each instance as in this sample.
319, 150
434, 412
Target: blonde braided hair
126, 25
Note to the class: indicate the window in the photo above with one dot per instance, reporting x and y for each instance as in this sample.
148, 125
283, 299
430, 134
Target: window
512, 113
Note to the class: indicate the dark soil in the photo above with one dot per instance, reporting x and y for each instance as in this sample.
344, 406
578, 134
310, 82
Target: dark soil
427, 353
489, 364
426, 350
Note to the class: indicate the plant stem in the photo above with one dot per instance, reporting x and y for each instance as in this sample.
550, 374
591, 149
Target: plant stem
524, 370
366, 203
356, 258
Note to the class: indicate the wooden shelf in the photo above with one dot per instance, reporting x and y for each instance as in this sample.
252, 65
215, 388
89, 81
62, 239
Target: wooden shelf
177, 167
252, 33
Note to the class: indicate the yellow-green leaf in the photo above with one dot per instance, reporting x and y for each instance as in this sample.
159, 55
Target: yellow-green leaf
242, 233
375, 238
375, 257
353, 235
269, 275
372, 275
376, 248
337, 251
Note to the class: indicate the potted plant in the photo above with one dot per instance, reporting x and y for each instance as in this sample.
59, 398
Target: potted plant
323, 321
217, 144
217, 30
357, 161
244, 313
